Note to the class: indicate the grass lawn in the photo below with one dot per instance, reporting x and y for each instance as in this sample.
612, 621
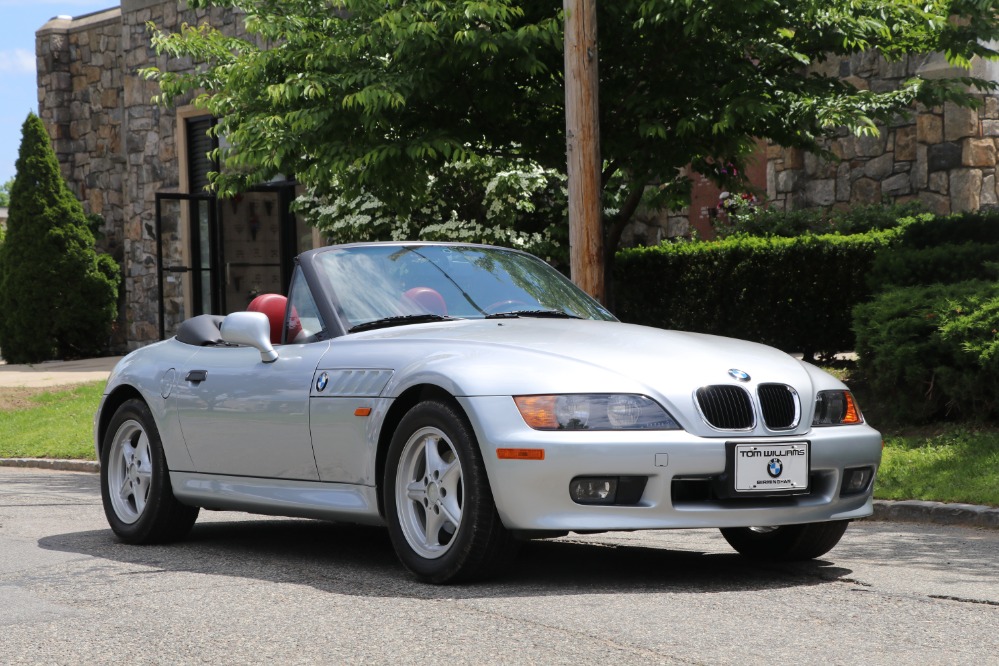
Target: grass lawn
49, 423
946, 464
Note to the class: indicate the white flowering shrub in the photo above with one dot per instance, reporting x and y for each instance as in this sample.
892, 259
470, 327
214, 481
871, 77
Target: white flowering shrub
509, 202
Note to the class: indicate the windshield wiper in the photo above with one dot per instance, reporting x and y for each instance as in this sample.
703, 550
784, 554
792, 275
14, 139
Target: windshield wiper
552, 314
398, 321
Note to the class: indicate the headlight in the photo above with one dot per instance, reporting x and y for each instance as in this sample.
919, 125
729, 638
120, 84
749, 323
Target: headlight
594, 411
836, 408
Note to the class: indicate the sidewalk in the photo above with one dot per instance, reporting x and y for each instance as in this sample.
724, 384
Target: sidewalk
56, 373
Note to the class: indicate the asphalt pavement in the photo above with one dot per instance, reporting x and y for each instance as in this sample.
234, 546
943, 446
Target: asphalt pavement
62, 373
244, 589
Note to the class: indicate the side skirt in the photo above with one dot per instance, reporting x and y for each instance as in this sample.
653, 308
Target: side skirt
279, 497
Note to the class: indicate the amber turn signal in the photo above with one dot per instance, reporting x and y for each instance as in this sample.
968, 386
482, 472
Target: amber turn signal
852, 412
520, 454
538, 411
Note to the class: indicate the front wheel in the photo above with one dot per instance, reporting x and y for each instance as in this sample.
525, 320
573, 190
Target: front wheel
787, 543
438, 503
135, 482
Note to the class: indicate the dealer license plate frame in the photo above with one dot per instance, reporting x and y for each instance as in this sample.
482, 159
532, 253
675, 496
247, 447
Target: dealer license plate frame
747, 466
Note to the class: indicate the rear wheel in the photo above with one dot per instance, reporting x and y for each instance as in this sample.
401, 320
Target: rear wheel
787, 543
438, 503
135, 482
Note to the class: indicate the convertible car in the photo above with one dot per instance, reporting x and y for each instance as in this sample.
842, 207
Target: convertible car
469, 397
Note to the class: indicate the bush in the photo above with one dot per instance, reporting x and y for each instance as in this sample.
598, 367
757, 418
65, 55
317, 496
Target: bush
940, 250
773, 222
793, 293
944, 264
927, 342
924, 231
930, 352
57, 295
510, 202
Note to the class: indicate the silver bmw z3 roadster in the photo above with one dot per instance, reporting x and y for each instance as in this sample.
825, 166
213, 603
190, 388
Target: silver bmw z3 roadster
468, 397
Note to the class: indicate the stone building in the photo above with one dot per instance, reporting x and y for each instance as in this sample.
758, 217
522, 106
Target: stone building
144, 169
944, 158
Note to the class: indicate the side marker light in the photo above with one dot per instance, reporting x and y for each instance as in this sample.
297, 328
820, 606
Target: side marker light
520, 454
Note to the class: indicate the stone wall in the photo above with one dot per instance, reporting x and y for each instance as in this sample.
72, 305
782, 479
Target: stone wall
943, 157
117, 149
80, 102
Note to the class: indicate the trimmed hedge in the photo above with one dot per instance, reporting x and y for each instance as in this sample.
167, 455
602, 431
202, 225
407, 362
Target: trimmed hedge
943, 264
925, 231
943, 250
795, 294
856, 220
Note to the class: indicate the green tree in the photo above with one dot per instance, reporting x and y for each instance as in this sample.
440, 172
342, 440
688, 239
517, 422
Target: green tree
357, 96
5, 193
57, 294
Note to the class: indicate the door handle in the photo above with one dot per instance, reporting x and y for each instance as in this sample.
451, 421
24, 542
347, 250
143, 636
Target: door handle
197, 376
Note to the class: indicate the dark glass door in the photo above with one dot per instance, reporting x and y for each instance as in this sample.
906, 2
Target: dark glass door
215, 256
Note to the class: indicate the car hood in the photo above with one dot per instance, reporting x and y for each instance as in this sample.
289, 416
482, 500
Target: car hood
516, 356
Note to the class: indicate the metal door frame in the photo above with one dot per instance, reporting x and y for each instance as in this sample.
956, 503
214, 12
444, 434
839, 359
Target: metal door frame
194, 239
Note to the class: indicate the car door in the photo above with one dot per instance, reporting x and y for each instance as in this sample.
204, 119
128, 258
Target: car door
243, 417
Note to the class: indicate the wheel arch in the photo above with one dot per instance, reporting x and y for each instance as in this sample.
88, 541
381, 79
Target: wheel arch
119, 396
411, 397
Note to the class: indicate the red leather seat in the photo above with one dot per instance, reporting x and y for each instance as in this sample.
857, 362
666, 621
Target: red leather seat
427, 299
274, 306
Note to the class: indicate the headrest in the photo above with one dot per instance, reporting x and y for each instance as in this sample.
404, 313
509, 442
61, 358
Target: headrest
272, 305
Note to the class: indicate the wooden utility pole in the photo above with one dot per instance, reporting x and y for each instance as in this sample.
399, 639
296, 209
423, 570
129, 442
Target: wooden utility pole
582, 129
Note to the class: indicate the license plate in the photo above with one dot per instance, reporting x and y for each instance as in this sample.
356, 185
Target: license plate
771, 468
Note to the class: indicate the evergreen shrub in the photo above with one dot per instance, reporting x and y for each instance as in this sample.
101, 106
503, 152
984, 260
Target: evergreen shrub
795, 294
927, 339
57, 294
931, 352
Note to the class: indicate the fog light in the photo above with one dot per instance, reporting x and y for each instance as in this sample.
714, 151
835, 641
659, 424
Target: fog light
856, 480
593, 490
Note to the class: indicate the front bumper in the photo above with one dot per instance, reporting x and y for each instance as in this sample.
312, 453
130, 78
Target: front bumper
534, 494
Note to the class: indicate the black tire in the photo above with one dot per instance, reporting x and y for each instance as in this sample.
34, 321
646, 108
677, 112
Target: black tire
135, 481
438, 503
788, 543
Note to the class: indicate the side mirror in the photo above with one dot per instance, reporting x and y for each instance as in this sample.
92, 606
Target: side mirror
250, 328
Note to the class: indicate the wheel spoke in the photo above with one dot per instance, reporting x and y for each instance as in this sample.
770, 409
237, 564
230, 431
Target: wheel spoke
451, 511
435, 521
127, 455
142, 452
417, 492
125, 488
435, 464
140, 493
450, 477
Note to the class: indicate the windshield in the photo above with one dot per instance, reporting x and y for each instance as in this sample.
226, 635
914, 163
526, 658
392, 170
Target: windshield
375, 283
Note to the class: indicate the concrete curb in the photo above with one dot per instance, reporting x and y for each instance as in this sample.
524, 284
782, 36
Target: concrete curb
905, 511
939, 513
51, 463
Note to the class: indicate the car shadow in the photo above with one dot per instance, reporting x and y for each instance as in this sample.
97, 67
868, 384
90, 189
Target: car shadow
359, 561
